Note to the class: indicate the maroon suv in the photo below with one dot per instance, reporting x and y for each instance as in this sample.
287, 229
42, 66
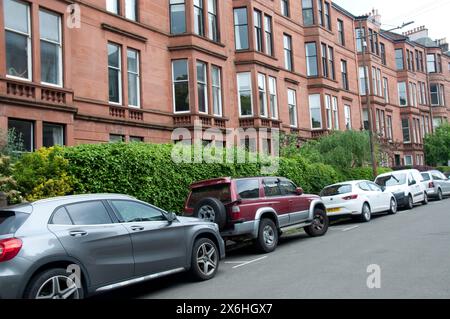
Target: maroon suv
258, 208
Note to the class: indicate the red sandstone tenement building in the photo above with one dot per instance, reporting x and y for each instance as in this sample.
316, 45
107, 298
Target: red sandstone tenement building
134, 70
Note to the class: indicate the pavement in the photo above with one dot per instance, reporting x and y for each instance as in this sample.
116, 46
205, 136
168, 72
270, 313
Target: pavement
406, 255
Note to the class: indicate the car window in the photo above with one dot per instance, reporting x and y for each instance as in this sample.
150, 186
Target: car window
426, 177
131, 212
272, 187
10, 221
364, 186
374, 187
336, 190
248, 188
436, 176
61, 217
410, 179
221, 192
89, 213
391, 180
288, 188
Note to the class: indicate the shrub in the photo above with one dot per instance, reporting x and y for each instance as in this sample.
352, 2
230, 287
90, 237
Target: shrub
443, 169
364, 173
43, 174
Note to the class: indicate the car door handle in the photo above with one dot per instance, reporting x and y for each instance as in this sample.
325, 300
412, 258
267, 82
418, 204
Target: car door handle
78, 233
137, 228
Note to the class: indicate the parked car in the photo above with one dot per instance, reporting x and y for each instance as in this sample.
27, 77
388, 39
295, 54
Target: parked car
257, 208
447, 174
437, 184
115, 240
406, 185
359, 199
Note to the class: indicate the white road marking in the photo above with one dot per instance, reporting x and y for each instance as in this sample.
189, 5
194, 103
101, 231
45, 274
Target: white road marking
350, 228
244, 263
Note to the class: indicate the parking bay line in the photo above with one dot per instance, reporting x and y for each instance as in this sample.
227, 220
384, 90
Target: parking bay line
350, 228
244, 263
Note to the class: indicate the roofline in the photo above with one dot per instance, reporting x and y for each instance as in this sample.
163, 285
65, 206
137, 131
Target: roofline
81, 196
342, 10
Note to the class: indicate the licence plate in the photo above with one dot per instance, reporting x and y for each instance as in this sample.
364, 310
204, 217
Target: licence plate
333, 210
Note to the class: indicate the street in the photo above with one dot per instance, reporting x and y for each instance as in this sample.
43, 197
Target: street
411, 248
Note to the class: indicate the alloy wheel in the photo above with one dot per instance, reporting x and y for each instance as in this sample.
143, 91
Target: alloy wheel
318, 222
393, 206
207, 259
58, 287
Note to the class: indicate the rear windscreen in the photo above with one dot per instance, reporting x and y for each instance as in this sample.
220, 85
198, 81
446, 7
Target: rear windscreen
10, 221
426, 177
391, 180
336, 190
221, 192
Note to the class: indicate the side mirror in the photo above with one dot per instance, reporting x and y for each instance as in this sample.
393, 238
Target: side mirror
383, 188
299, 191
171, 217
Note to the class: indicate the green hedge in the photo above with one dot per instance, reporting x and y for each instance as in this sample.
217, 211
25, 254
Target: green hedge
364, 173
444, 169
148, 172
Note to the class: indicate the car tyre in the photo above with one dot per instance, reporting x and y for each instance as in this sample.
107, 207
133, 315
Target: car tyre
213, 210
425, 199
393, 206
410, 204
204, 260
366, 214
440, 196
320, 224
267, 240
54, 283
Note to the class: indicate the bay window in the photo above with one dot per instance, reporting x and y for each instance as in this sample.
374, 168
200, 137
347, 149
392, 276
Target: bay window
213, 28
311, 59
335, 112
431, 63
241, 28
177, 16
308, 12
268, 33
262, 94
202, 87
328, 111
402, 94
244, 84
399, 61
406, 130
180, 82
273, 100
315, 109
257, 21
199, 26
217, 90
292, 104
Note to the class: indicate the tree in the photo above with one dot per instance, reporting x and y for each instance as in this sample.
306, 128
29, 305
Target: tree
437, 146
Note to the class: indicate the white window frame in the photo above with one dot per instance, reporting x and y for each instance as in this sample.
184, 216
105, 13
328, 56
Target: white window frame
205, 84
273, 94
262, 89
287, 48
311, 97
138, 75
29, 45
292, 106
249, 74
179, 81
218, 87
406, 93
119, 74
386, 89
328, 111
133, 15
348, 117
335, 107
411, 162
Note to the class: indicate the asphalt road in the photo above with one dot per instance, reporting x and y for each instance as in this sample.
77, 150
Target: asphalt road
411, 248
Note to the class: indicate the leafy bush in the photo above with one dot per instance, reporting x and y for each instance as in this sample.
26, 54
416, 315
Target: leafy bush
364, 173
43, 174
437, 146
443, 169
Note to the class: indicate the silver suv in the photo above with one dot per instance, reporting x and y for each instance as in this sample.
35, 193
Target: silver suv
76, 246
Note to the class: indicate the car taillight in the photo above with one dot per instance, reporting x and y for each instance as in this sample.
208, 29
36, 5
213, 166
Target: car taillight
9, 248
431, 185
351, 197
235, 213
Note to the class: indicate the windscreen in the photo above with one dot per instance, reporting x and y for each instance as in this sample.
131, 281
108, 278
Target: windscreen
336, 190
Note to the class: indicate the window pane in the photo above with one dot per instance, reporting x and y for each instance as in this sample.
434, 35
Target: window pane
53, 135
89, 213
17, 55
180, 71
61, 217
181, 97
50, 62
24, 131
137, 212
113, 55
248, 188
49, 26
130, 9
112, 6
177, 18
315, 110
114, 88
132, 61
133, 89
16, 15
241, 28
114, 138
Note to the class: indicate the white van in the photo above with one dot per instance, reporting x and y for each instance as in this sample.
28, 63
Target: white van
406, 185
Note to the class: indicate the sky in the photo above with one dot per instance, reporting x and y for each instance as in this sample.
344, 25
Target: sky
434, 14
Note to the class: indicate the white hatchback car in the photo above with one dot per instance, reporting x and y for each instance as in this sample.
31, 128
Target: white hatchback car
407, 186
358, 198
